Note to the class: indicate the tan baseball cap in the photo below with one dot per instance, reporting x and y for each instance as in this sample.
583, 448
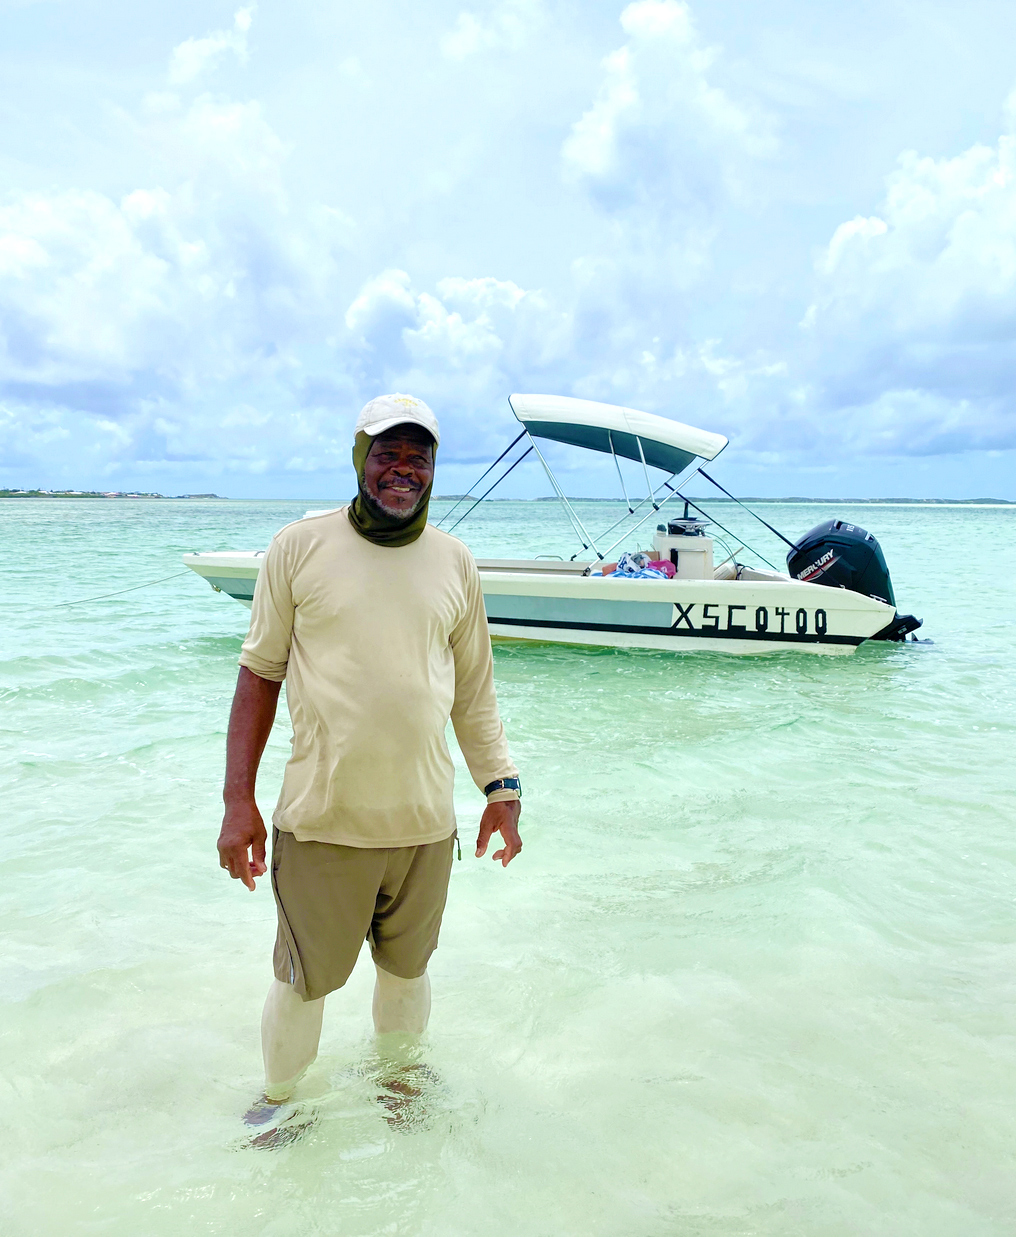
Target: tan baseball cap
387, 411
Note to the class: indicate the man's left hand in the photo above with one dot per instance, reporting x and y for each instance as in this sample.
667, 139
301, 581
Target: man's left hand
500, 818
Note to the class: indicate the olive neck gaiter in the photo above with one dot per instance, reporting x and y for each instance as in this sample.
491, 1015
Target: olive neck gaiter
374, 525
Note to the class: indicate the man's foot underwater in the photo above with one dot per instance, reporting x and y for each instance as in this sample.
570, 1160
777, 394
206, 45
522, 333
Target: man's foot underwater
405, 1089
277, 1122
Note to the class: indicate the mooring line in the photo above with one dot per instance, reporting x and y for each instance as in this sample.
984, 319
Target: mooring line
134, 587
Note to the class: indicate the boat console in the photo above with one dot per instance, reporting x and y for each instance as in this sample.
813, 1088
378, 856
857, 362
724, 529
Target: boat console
685, 543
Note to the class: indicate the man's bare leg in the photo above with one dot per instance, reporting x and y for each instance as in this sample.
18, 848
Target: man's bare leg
290, 1033
401, 1005
401, 1008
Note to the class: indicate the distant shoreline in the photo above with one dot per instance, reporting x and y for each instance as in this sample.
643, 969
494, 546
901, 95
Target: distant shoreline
816, 502
101, 494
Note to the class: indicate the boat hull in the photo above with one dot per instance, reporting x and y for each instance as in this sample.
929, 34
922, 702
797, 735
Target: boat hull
232, 572
732, 616
652, 640
561, 606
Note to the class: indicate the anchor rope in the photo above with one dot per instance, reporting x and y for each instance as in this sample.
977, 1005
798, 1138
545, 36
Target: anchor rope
134, 587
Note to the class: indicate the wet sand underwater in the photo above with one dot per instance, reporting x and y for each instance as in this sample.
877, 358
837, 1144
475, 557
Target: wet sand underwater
753, 973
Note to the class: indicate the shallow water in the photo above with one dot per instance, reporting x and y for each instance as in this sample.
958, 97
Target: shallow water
753, 973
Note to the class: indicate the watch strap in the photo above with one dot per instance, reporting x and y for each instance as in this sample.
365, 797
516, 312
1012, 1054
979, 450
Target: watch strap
504, 783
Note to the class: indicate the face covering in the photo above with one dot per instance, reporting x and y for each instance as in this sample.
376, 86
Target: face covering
375, 525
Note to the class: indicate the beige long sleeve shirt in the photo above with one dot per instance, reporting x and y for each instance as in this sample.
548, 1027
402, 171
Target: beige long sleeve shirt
378, 647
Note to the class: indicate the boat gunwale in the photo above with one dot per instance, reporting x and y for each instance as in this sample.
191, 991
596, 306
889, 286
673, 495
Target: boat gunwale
570, 583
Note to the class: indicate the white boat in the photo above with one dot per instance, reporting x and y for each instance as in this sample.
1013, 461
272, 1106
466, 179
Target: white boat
835, 595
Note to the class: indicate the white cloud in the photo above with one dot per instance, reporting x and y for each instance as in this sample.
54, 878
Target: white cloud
172, 311
660, 134
76, 280
664, 154
913, 327
509, 25
191, 57
692, 381
470, 338
385, 296
468, 343
617, 228
855, 229
96, 289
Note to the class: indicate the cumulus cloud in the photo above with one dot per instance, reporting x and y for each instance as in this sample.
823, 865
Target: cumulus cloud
218, 145
661, 134
913, 326
206, 321
191, 57
664, 153
469, 342
508, 26
167, 329
93, 289
173, 311
214, 318
80, 289
465, 345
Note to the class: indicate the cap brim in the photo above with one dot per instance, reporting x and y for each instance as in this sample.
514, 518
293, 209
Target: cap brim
391, 422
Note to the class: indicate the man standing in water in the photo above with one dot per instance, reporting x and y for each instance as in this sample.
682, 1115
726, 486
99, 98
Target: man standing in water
376, 622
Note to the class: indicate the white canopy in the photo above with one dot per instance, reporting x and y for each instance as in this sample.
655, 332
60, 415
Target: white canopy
665, 444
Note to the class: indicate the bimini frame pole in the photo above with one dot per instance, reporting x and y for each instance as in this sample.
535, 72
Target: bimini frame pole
587, 541
713, 520
747, 508
492, 488
620, 475
657, 506
476, 484
645, 469
650, 495
641, 503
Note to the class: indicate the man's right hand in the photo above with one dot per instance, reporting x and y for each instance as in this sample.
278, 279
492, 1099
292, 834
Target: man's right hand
243, 831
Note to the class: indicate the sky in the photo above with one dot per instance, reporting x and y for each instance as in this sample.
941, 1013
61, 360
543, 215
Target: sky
224, 228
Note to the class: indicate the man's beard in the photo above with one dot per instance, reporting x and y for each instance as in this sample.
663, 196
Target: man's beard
380, 509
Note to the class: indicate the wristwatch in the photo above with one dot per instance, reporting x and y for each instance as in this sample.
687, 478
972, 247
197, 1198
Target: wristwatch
504, 783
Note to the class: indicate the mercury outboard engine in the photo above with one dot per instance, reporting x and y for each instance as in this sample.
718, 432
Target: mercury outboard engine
842, 555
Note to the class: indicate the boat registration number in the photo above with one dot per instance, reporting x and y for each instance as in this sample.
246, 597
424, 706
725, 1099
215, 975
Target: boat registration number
775, 619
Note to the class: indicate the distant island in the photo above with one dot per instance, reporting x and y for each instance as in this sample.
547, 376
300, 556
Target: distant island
96, 494
709, 498
952, 502
545, 498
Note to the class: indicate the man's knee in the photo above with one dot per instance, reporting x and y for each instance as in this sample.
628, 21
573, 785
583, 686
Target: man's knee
405, 983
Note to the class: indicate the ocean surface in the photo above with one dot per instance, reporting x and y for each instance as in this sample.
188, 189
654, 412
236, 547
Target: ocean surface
753, 974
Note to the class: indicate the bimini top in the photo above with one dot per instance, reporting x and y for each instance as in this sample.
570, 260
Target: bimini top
666, 444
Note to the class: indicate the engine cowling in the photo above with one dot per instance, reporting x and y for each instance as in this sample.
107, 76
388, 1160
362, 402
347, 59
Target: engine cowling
844, 555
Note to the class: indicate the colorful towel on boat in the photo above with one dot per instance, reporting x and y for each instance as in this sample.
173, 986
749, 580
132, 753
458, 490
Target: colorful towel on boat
639, 566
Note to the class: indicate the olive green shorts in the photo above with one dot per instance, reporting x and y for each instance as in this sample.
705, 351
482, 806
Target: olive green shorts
331, 898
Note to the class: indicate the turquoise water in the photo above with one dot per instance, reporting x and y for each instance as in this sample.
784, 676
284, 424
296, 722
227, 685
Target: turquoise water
753, 973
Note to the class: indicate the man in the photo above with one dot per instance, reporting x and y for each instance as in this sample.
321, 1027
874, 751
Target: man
376, 623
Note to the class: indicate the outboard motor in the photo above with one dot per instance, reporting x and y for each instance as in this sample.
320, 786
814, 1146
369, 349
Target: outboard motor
842, 555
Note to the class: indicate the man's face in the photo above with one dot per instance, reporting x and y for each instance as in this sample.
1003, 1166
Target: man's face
398, 469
